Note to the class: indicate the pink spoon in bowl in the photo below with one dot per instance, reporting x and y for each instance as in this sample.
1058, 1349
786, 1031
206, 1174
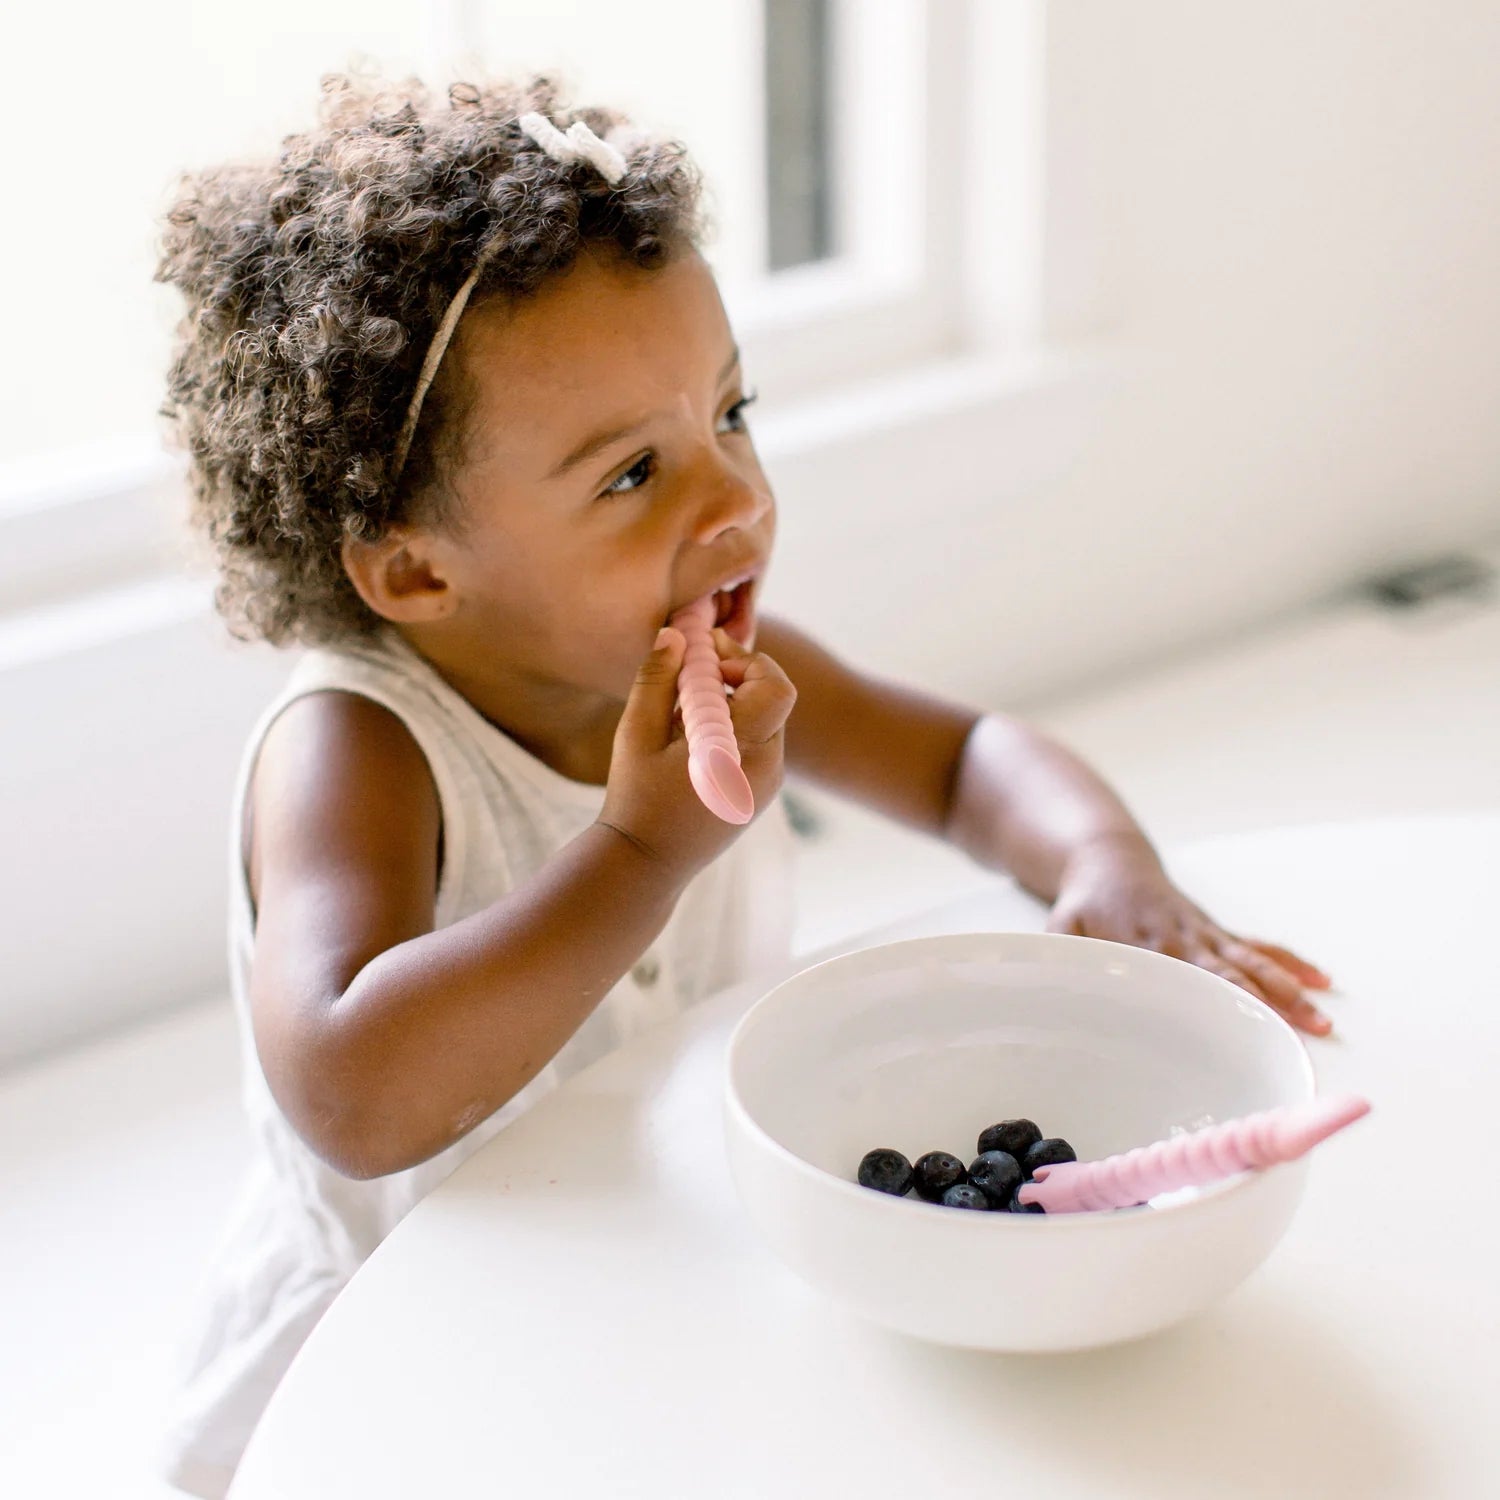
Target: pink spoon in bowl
713, 752
1205, 1156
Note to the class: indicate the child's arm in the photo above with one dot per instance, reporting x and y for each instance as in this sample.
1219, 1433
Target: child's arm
1014, 800
383, 1040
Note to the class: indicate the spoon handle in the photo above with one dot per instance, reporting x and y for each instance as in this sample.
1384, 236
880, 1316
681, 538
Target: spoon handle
1217, 1151
713, 752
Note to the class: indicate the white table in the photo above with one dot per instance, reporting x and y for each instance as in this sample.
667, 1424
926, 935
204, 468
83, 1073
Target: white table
583, 1310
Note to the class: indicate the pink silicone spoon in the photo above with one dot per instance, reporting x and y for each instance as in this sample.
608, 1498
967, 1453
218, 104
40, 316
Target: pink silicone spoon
1259, 1140
713, 752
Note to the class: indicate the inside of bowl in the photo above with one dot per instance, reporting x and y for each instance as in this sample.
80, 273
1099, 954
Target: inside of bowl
921, 1051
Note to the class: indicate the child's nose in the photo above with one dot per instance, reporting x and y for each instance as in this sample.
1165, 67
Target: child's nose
730, 501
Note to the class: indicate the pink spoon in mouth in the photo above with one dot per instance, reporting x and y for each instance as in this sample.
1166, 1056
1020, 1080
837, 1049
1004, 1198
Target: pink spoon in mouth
713, 752
1205, 1156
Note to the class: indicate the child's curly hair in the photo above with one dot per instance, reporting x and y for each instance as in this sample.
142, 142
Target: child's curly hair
314, 286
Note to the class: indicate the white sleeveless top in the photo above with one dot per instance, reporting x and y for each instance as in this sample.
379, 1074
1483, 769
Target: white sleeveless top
300, 1229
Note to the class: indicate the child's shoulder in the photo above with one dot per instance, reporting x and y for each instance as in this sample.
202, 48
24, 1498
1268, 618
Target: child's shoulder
339, 782
343, 858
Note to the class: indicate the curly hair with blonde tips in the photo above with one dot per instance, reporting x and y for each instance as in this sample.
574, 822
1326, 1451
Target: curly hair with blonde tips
314, 285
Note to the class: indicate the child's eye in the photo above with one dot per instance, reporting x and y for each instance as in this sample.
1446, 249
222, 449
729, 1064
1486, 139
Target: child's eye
735, 416
638, 473
645, 466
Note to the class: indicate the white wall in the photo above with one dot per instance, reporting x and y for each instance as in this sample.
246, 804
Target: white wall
1278, 224
1287, 216
1282, 220
120, 751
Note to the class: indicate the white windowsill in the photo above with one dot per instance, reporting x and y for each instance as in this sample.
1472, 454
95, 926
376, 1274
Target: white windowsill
951, 386
96, 544
100, 616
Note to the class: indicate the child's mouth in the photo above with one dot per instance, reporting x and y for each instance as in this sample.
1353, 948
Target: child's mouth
734, 613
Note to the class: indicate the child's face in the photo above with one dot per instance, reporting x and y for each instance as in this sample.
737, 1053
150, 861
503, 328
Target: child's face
609, 478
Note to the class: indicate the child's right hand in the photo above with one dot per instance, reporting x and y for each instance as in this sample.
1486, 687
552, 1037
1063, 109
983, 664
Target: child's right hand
649, 797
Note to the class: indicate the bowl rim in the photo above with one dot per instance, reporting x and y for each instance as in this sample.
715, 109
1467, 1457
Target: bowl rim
734, 1105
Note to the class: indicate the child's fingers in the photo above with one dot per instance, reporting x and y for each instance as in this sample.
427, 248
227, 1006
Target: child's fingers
1299, 1014
762, 701
733, 658
1282, 988
1308, 974
1240, 964
728, 648
646, 724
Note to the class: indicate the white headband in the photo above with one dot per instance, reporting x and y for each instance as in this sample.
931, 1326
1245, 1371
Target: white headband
579, 143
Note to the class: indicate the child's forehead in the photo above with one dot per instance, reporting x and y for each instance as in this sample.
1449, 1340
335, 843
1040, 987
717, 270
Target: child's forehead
599, 331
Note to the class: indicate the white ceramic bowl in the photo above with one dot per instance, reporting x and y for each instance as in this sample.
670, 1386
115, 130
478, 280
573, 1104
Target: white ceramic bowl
919, 1045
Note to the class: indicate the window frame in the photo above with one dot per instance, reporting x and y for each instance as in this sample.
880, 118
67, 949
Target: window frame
888, 296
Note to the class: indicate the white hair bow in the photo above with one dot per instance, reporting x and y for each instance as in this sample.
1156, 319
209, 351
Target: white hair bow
579, 143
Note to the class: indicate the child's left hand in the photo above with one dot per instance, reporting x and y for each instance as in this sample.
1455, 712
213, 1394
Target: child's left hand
1124, 895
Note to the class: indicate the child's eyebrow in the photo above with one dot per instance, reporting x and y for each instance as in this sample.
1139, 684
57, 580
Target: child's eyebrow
600, 440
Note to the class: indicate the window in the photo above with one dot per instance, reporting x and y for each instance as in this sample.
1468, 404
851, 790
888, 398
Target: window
832, 133
864, 276
798, 148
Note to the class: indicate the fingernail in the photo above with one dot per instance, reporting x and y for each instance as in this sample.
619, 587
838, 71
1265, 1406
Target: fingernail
663, 639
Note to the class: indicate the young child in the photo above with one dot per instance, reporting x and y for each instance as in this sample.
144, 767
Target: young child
467, 420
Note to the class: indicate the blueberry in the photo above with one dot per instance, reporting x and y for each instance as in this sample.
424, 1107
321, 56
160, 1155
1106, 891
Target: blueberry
1015, 1136
1017, 1207
935, 1173
996, 1174
886, 1171
1048, 1153
965, 1195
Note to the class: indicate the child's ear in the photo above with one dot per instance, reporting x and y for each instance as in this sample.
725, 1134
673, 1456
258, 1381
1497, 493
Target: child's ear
397, 576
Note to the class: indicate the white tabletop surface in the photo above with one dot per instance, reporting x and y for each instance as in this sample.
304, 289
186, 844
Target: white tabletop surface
583, 1309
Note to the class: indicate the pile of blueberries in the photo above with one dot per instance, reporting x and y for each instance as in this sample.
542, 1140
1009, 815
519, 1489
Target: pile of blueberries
1009, 1154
